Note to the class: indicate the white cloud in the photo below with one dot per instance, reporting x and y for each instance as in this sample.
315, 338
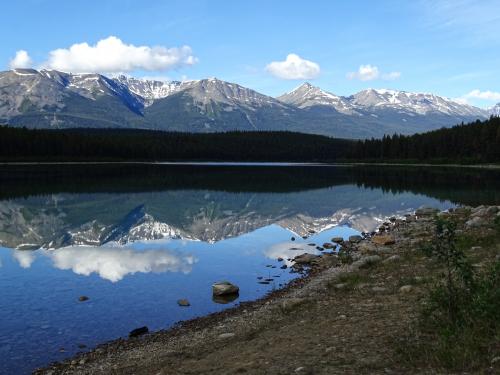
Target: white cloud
294, 67
21, 60
365, 73
485, 95
391, 76
114, 263
111, 55
370, 72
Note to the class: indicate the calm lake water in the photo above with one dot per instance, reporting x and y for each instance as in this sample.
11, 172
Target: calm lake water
136, 238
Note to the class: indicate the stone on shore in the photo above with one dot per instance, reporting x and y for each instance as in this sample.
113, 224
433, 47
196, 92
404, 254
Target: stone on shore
138, 332
406, 289
305, 258
355, 239
384, 240
426, 211
222, 288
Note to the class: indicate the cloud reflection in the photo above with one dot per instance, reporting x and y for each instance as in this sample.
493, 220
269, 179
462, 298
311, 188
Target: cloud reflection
25, 258
114, 264
288, 250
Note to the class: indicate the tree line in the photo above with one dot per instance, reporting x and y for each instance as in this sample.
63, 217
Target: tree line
477, 142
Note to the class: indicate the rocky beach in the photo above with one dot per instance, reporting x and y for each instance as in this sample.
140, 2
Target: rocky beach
354, 311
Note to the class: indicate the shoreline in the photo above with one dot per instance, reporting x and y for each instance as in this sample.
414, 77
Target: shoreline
317, 324
253, 164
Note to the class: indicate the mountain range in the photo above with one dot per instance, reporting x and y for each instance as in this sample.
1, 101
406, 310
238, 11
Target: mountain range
52, 99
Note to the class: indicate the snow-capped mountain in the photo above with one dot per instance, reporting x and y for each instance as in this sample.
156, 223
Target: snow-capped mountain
150, 90
495, 110
49, 98
371, 101
307, 95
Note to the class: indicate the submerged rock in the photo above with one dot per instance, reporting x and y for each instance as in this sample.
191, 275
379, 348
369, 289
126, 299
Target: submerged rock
225, 299
222, 288
183, 303
138, 332
83, 298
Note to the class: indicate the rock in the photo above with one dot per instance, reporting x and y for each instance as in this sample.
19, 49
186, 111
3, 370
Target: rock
492, 210
476, 248
337, 239
495, 360
479, 213
183, 303
83, 298
475, 222
291, 303
138, 332
227, 335
343, 317
367, 247
222, 288
366, 261
328, 245
355, 239
426, 211
384, 240
300, 369
340, 286
305, 258
292, 239
379, 289
392, 258
280, 259
311, 244
406, 289
284, 267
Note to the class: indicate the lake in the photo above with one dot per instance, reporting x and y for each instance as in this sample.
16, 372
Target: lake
136, 238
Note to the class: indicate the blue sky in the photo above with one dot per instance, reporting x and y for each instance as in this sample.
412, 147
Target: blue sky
447, 47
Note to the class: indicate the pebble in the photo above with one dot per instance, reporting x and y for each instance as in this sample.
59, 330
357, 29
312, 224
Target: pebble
227, 335
406, 289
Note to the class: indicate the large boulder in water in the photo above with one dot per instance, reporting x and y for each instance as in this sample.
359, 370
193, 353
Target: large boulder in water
223, 288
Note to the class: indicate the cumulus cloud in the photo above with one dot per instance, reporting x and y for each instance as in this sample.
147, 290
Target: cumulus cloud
485, 95
22, 60
111, 55
294, 67
114, 264
370, 72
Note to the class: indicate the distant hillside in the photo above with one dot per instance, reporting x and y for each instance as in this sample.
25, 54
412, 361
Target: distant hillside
50, 99
475, 142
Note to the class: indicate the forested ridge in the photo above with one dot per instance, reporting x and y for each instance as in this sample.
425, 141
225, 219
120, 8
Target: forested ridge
477, 142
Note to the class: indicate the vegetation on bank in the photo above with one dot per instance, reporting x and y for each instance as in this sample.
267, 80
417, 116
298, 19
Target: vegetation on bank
478, 142
459, 325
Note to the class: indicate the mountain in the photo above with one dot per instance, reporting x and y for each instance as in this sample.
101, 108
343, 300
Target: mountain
52, 99
215, 105
387, 110
495, 110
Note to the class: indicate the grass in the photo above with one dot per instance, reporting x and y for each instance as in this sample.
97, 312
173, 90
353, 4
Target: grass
459, 324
